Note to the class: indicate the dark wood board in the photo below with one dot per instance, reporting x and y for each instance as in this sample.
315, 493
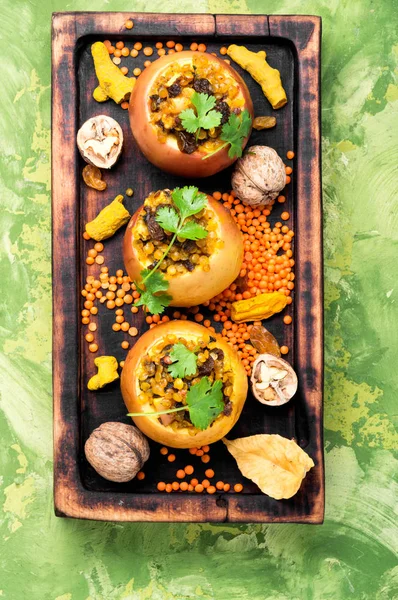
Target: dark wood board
292, 44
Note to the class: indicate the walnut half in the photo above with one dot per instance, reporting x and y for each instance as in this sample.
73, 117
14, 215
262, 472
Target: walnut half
100, 141
273, 380
117, 451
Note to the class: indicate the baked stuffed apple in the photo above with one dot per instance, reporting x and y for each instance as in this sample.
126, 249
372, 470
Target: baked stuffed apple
178, 110
193, 381
195, 269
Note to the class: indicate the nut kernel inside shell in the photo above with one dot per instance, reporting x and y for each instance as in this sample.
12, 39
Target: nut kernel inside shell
100, 141
274, 382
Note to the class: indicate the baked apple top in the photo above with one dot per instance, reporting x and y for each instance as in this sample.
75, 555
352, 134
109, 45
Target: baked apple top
192, 100
151, 240
191, 114
184, 244
183, 385
176, 371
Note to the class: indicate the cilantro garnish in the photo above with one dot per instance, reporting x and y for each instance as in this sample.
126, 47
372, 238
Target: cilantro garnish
150, 297
153, 285
204, 118
184, 361
233, 132
204, 403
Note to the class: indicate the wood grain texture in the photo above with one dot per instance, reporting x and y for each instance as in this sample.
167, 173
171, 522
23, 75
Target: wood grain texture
79, 491
305, 33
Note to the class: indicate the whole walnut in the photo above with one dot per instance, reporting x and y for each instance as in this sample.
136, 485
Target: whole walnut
259, 176
117, 451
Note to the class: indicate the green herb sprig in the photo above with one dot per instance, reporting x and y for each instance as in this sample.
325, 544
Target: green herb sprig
188, 201
204, 118
204, 404
233, 132
184, 361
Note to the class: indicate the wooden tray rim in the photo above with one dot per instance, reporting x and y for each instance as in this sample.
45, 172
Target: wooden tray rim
71, 499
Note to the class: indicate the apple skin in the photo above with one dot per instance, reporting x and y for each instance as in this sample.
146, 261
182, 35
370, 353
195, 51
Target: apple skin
198, 286
151, 426
167, 156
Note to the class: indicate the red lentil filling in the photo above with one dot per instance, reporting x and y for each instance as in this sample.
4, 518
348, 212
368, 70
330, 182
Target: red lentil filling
163, 392
151, 241
171, 94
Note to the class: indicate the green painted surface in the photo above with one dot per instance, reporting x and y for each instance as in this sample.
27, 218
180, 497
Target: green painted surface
353, 555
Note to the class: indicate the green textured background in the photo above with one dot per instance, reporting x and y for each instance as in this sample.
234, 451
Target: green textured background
353, 555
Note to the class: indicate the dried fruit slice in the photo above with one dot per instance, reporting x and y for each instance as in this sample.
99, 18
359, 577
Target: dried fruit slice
263, 340
92, 177
100, 141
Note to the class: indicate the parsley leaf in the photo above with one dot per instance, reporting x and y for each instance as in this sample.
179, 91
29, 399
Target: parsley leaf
184, 361
188, 200
167, 219
205, 117
154, 283
192, 231
155, 304
235, 131
205, 402
189, 120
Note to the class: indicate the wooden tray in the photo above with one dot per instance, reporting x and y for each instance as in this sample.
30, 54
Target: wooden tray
293, 46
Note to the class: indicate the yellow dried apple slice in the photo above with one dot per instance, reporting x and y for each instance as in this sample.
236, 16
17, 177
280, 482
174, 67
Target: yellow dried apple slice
276, 464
